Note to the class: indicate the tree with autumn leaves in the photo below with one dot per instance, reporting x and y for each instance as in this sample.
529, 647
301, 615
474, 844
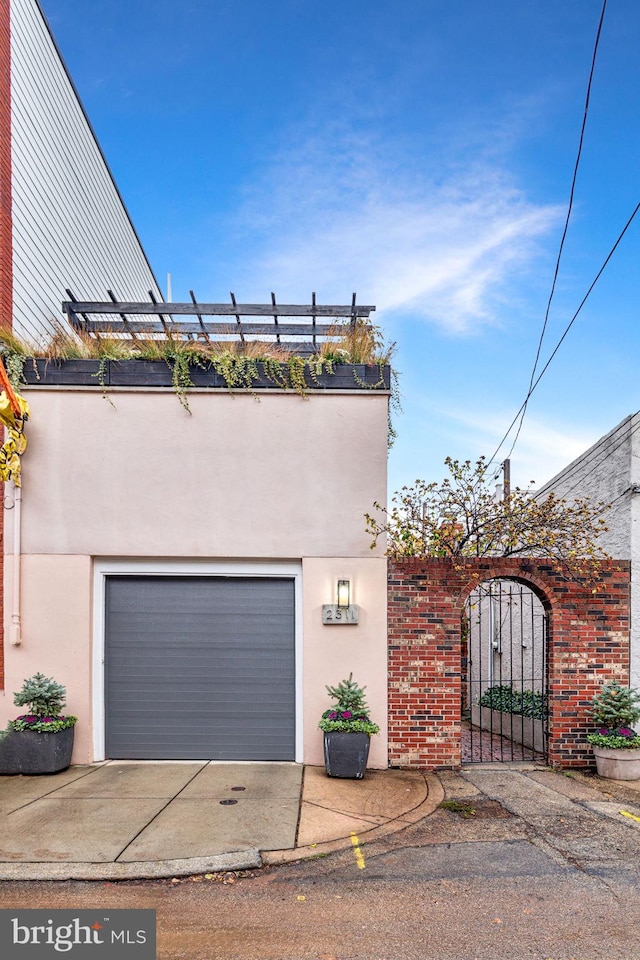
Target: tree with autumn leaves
463, 517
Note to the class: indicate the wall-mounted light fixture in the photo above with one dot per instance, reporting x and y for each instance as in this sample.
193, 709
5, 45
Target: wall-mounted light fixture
344, 593
343, 611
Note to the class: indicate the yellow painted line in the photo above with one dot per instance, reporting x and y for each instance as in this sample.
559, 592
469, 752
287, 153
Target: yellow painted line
632, 816
357, 851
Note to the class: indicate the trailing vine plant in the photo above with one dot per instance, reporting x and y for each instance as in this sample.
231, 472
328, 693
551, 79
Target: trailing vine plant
240, 364
14, 413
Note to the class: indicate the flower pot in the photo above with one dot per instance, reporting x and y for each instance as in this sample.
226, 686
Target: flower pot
33, 754
346, 754
618, 764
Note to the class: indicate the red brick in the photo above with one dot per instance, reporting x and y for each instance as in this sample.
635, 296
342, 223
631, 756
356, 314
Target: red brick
425, 652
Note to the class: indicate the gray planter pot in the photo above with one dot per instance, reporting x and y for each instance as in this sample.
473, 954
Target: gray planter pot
34, 754
617, 764
346, 754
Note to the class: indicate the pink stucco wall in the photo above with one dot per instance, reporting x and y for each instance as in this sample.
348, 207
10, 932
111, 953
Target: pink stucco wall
137, 478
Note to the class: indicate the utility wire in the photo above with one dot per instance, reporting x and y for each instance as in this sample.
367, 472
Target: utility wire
572, 192
626, 431
522, 412
626, 437
573, 187
566, 331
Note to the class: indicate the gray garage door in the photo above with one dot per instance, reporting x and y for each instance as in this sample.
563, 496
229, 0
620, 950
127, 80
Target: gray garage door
200, 668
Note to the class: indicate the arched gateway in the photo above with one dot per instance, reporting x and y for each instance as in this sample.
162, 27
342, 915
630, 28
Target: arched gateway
582, 642
505, 675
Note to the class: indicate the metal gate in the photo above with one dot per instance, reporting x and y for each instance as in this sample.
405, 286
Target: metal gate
505, 674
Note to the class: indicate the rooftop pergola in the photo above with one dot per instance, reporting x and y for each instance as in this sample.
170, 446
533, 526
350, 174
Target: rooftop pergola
297, 327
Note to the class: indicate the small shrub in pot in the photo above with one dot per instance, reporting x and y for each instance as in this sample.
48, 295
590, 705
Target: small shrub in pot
347, 729
40, 740
616, 745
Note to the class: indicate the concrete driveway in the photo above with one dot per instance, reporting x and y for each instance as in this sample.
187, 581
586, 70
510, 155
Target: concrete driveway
125, 819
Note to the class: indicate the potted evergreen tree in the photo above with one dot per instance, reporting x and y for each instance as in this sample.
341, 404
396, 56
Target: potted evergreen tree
616, 745
41, 740
347, 731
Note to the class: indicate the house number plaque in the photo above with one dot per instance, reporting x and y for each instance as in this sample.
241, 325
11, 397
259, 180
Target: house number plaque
332, 615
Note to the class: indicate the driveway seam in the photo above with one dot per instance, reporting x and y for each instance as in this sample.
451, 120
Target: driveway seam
350, 814
154, 818
43, 796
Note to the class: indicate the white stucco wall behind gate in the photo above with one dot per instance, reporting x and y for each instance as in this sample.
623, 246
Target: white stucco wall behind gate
138, 483
609, 471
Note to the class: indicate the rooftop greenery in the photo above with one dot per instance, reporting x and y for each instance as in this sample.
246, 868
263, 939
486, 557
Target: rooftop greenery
240, 363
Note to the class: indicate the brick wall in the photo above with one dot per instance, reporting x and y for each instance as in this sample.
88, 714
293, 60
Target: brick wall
588, 645
6, 239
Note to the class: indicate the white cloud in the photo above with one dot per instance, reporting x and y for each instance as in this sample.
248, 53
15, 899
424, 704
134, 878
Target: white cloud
342, 218
542, 450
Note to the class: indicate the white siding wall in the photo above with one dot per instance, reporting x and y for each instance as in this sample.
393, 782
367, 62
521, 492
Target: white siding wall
635, 549
70, 227
609, 471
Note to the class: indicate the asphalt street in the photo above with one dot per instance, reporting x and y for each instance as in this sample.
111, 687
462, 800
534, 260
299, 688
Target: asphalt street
515, 865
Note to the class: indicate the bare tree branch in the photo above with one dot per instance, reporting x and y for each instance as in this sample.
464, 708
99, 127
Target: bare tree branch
462, 517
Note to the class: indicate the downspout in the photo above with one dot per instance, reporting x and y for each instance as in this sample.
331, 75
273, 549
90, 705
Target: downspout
493, 643
15, 634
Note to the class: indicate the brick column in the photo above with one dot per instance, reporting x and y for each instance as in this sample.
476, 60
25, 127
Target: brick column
424, 665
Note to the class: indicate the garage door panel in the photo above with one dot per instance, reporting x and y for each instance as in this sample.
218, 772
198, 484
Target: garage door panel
200, 667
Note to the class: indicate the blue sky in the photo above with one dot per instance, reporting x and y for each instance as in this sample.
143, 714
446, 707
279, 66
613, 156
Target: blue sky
418, 152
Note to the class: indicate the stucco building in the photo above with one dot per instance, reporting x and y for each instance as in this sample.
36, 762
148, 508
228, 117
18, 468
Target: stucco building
609, 472
174, 566
169, 567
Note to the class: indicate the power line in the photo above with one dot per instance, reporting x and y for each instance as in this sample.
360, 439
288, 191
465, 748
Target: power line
571, 196
566, 331
627, 432
522, 412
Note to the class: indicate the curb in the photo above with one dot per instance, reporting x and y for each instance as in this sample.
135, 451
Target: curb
147, 870
435, 796
248, 859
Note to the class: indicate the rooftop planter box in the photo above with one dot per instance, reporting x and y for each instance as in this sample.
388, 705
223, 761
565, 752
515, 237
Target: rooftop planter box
159, 373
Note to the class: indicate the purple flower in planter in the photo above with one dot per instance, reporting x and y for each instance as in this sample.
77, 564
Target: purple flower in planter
346, 714
333, 715
626, 732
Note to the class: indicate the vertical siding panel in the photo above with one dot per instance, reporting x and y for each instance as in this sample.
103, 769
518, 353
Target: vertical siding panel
6, 258
70, 225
